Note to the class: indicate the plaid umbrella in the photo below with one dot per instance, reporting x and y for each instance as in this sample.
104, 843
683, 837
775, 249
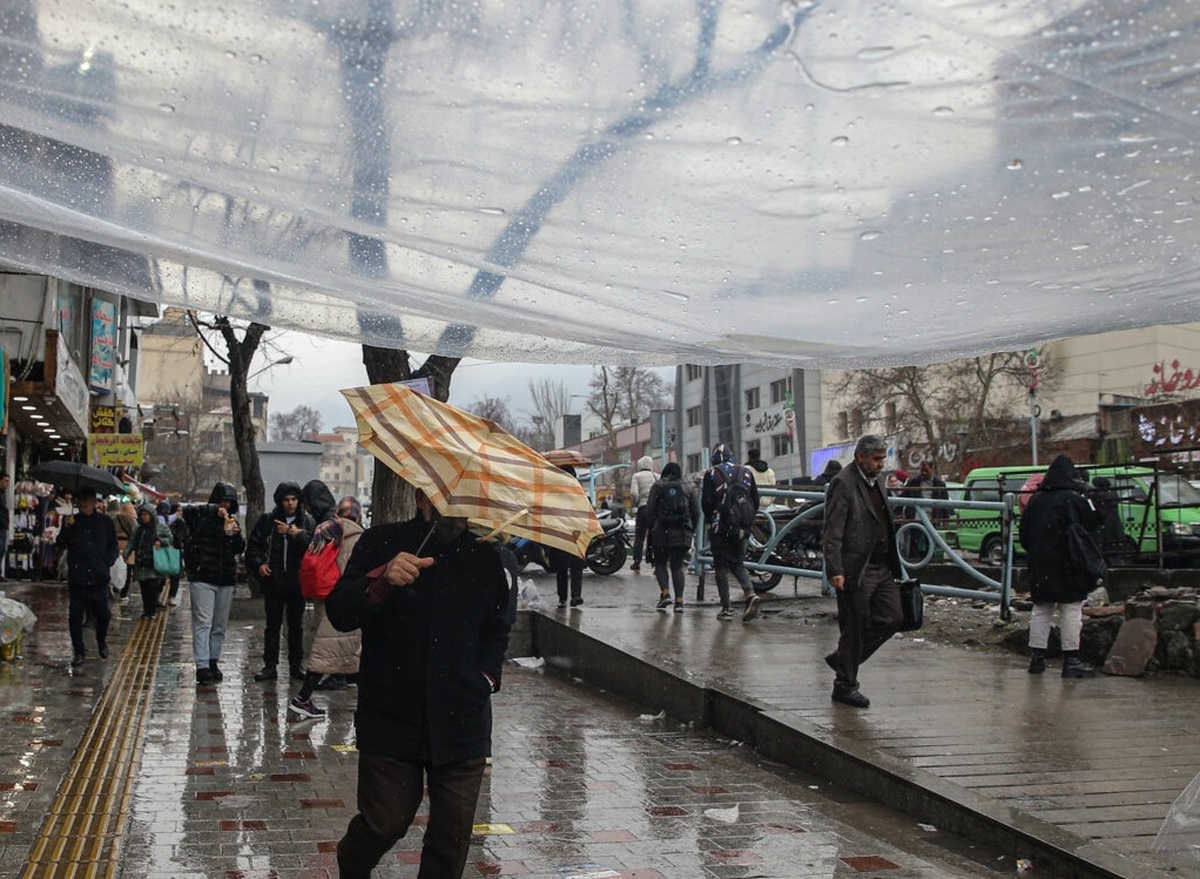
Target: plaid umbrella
470, 467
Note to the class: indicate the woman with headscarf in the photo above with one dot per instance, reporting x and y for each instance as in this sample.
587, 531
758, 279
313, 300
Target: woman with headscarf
151, 532
126, 522
332, 652
1054, 581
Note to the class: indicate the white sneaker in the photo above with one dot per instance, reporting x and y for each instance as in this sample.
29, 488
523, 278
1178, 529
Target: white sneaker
174, 602
751, 611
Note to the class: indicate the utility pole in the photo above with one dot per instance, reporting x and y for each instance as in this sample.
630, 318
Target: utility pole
1032, 361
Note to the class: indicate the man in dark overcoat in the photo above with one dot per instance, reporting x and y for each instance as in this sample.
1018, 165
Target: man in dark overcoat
434, 630
862, 564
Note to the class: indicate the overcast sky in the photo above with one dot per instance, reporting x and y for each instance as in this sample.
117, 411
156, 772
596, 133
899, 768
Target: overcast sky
321, 367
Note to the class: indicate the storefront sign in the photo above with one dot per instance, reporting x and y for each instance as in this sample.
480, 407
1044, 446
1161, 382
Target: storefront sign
1168, 427
1171, 380
115, 449
70, 387
104, 419
104, 339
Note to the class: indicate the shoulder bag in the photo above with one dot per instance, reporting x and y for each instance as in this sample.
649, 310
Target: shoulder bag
168, 561
912, 603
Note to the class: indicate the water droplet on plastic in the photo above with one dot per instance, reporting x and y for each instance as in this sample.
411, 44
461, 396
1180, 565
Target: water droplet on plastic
840, 141
1015, 165
493, 212
943, 111
166, 108
869, 235
682, 297
1058, 195
733, 141
874, 53
1080, 246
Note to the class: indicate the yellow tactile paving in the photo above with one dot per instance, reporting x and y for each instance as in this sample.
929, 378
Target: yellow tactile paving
81, 836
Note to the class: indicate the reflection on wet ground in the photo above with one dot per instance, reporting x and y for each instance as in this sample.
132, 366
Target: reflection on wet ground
582, 785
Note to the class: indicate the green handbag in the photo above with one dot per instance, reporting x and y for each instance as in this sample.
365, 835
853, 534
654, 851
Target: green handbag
168, 561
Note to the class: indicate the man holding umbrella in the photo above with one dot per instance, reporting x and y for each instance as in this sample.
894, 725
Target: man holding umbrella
91, 544
431, 601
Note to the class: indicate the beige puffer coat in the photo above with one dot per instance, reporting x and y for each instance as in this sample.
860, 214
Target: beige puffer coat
334, 652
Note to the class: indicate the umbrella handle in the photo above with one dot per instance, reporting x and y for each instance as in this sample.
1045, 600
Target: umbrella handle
518, 514
426, 540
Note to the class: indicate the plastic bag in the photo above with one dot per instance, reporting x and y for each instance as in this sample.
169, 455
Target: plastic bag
117, 574
1180, 831
527, 595
15, 618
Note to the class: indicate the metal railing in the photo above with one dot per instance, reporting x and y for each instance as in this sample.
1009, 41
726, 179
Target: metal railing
776, 537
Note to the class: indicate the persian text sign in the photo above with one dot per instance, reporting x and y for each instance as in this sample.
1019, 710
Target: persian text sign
1167, 427
115, 449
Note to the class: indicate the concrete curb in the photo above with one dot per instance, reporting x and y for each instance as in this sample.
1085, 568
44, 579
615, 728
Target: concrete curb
794, 742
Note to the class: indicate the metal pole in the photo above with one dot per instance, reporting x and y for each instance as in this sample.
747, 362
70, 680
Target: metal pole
1033, 420
662, 435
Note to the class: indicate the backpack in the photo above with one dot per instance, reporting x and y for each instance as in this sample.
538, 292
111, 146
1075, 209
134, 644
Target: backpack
735, 508
674, 509
319, 571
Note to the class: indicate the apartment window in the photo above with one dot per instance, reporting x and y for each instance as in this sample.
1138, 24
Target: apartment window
843, 426
213, 440
693, 416
856, 422
780, 390
693, 463
781, 445
752, 401
692, 372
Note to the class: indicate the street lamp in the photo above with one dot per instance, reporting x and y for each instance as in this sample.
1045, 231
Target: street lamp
282, 361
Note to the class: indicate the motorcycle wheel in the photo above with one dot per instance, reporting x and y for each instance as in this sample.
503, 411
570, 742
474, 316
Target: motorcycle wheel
606, 555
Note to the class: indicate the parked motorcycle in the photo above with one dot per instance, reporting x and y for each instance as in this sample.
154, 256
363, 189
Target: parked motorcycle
799, 548
605, 554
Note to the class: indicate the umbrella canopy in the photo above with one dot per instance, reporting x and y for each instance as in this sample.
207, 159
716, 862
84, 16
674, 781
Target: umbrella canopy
470, 467
567, 457
72, 476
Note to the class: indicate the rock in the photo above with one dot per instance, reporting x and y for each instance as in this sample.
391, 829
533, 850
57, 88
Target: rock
1178, 615
1174, 650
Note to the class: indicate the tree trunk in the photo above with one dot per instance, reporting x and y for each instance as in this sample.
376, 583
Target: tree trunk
244, 434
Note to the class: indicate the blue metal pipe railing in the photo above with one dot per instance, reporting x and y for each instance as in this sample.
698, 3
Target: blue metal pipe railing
992, 590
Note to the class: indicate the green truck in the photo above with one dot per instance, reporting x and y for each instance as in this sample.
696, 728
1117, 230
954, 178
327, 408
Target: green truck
1149, 502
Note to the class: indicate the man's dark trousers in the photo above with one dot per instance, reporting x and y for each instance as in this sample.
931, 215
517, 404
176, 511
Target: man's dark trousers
281, 601
389, 794
867, 616
92, 599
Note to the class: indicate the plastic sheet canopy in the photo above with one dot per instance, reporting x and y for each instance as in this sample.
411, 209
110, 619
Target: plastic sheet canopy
655, 181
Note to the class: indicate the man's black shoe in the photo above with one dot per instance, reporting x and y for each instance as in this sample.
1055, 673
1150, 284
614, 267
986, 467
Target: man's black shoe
77, 659
216, 671
297, 671
103, 651
267, 674
850, 697
204, 676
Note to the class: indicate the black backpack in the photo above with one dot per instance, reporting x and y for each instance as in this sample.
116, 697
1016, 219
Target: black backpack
735, 506
674, 509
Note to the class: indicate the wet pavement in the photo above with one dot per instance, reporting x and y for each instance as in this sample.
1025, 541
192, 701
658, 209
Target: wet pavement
584, 783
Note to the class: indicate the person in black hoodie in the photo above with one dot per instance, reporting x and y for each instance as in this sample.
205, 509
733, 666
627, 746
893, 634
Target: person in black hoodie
90, 540
434, 632
210, 558
1053, 580
273, 554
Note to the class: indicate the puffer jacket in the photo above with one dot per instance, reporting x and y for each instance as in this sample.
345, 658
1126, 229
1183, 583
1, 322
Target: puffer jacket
211, 554
641, 482
141, 545
281, 552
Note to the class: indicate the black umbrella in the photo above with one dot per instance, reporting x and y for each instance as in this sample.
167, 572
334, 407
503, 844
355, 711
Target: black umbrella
72, 476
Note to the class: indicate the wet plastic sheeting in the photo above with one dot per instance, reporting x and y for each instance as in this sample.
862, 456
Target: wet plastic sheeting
846, 182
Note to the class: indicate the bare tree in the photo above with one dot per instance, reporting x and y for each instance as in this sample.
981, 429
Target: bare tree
604, 401
640, 390
493, 409
301, 422
551, 401
966, 403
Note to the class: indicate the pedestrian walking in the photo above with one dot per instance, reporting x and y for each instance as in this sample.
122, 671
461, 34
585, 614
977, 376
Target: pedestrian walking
151, 532
125, 521
332, 652
763, 473
434, 632
673, 511
179, 536
568, 568
729, 499
640, 483
1055, 582
273, 553
863, 566
90, 540
211, 563
925, 484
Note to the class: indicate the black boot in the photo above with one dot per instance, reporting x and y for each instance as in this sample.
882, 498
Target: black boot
204, 676
1037, 661
215, 671
1073, 667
